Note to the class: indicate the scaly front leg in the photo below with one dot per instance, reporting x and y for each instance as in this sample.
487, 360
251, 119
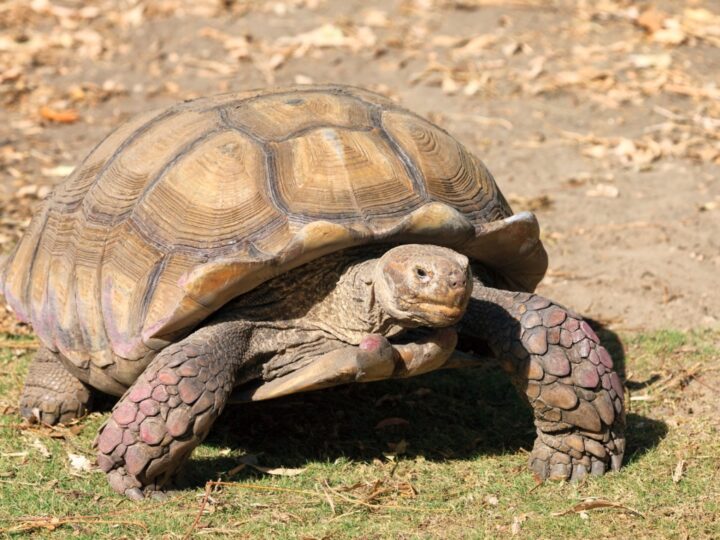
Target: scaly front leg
169, 410
556, 361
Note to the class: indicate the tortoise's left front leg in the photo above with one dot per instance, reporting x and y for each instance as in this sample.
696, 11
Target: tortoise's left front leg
556, 361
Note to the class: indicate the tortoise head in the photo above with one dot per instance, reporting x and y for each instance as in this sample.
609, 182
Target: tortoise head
423, 285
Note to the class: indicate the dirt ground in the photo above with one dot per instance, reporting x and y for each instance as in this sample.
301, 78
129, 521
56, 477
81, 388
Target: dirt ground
601, 116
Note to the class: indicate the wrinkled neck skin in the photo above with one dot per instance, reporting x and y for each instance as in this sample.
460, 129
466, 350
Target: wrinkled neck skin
351, 310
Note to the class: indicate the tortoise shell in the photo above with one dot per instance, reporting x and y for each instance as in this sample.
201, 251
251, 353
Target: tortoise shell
179, 211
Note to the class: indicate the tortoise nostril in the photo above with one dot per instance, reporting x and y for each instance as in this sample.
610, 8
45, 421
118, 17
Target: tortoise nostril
456, 281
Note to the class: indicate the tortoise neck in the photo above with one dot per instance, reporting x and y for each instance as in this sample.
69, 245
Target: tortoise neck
351, 310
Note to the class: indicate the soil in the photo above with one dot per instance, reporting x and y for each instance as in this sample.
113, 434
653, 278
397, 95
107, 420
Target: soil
602, 117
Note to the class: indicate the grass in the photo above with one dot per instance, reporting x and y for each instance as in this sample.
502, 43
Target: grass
455, 469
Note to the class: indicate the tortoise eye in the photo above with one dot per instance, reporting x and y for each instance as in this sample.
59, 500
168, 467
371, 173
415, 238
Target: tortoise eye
421, 273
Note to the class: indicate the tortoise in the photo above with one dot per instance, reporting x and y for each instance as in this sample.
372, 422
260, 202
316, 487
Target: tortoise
252, 245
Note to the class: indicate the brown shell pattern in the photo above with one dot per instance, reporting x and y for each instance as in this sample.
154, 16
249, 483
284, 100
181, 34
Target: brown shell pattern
179, 211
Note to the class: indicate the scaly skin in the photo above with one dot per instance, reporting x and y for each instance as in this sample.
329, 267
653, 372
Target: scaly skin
51, 393
169, 410
556, 361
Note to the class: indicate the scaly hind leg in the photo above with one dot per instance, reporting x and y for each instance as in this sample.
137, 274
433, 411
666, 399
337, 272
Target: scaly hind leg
51, 393
556, 361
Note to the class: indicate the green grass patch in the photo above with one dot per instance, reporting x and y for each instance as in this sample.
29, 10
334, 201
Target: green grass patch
453, 466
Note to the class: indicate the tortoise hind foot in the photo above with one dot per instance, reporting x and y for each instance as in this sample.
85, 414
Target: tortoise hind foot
574, 455
166, 413
52, 394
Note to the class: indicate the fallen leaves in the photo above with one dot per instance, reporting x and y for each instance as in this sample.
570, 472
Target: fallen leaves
67, 116
679, 471
607, 191
79, 463
251, 460
593, 503
533, 204
41, 448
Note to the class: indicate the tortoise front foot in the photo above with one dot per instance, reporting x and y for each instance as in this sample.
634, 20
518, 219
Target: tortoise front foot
555, 359
576, 395
51, 393
163, 417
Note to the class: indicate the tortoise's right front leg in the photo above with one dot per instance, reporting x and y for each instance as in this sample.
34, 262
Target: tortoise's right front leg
169, 410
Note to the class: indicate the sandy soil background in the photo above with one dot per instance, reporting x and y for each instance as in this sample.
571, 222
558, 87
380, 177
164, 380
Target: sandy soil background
601, 116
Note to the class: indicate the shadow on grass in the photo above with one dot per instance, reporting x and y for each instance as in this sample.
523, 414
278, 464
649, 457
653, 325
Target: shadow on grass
450, 415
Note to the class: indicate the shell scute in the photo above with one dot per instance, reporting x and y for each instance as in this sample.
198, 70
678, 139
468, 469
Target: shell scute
452, 174
211, 199
283, 116
342, 175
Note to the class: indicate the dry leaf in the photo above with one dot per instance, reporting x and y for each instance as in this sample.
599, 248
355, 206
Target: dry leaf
303, 79
67, 116
651, 20
710, 205
598, 151
251, 461
593, 504
603, 190
397, 448
328, 35
520, 202
659, 61
391, 422
474, 47
678, 472
79, 463
60, 171
279, 471
517, 524
28, 190
449, 86
41, 448
377, 18
670, 36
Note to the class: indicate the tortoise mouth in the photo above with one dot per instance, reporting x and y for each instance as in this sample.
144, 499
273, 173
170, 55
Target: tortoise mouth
438, 314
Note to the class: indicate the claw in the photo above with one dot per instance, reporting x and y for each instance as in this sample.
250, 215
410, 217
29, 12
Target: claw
597, 468
616, 461
134, 494
540, 468
579, 472
158, 495
558, 471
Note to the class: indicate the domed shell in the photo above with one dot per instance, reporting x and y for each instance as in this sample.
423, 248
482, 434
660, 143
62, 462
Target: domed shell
179, 211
